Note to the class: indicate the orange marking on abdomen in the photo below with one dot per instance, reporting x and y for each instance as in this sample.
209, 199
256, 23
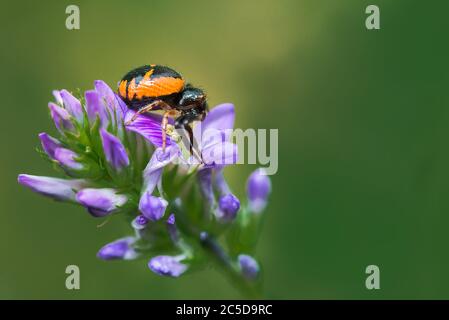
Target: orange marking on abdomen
142, 87
131, 89
122, 89
162, 86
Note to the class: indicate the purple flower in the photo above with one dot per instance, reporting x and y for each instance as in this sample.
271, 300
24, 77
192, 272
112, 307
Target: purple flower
140, 222
61, 118
248, 266
167, 266
72, 105
101, 202
114, 151
258, 188
152, 207
228, 206
119, 249
67, 158
49, 144
59, 189
95, 107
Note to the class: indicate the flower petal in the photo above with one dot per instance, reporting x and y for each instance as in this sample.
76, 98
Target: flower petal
59, 189
160, 159
101, 202
58, 98
167, 266
220, 118
119, 249
140, 222
67, 158
224, 153
72, 105
49, 144
122, 105
61, 118
149, 126
94, 107
112, 103
153, 170
258, 187
114, 150
152, 207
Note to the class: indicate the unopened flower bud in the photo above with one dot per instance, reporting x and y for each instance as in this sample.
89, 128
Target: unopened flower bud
167, 266
228, 206
119, 249
248, 266
101, 202
152, 207
258, 189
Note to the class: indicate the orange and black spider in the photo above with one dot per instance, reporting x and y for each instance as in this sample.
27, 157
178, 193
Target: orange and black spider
154, 87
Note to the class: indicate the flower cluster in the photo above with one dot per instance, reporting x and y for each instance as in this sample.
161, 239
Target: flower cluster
181, 211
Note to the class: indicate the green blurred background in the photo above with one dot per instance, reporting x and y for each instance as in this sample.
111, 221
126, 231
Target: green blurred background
363, 123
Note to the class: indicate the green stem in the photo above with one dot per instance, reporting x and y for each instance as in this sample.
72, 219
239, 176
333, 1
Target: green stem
248, 289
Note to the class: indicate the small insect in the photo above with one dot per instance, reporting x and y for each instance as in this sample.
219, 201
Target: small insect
154, 87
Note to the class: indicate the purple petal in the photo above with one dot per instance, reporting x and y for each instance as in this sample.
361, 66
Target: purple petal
258, 188
119, 249
249, 266
167, 266
171, 219
61, 118
139, 222
58, 98
49, 144
228, 206
94, 107
153, 170
153, 208
114, 150
172, 230
160, 159
224, 153
72, 105
122, 105
59, 189
112, 101
101, 202
67, 158
219, 118
148, 126
212, 137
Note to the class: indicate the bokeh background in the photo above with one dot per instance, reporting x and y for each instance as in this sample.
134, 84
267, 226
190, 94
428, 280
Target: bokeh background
363, 122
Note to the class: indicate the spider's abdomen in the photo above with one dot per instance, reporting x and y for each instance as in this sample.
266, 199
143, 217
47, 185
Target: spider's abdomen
147, 83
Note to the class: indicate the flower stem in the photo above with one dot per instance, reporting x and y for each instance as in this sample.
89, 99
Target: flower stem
248, 289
